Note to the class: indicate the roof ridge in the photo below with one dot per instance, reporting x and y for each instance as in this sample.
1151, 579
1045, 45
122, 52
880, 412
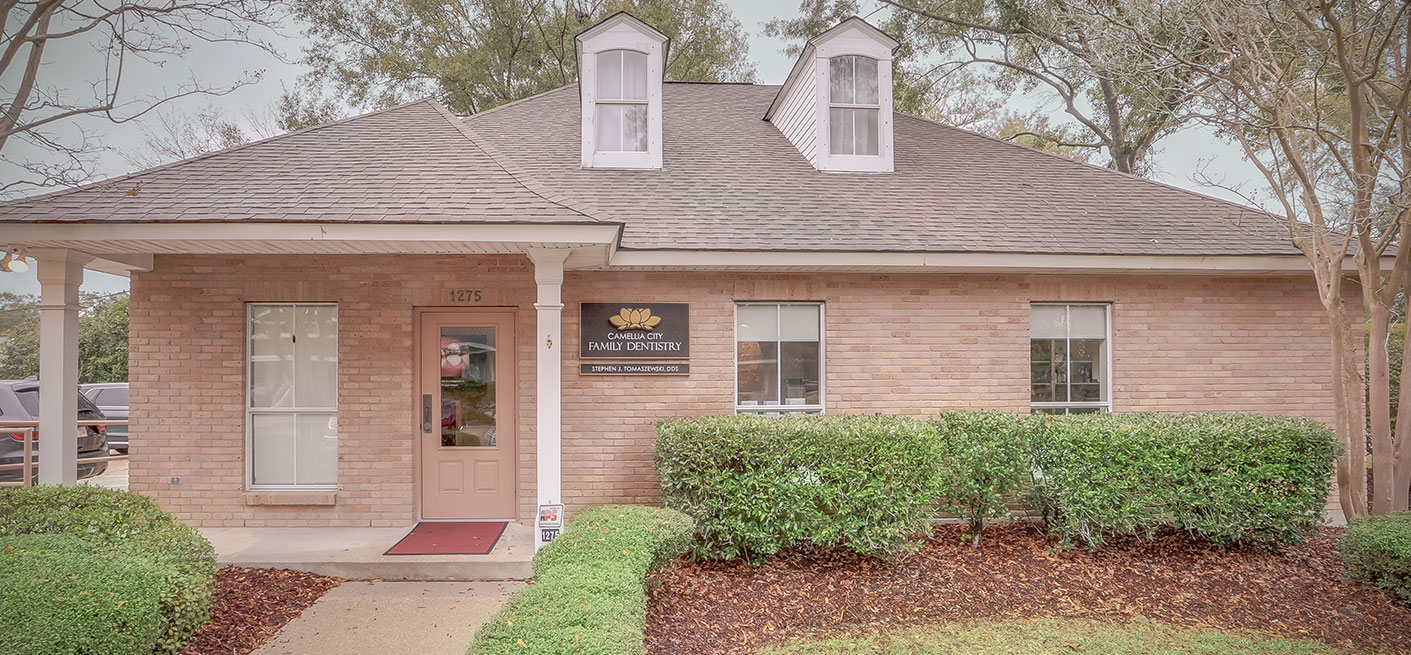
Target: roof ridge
512, 103
1159, 183
136, 174
517, 173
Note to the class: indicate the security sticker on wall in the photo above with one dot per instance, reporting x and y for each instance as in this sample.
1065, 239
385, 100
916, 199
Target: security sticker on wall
550, 523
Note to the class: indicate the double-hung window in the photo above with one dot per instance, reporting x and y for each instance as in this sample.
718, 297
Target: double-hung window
1069, 359
292, 411
853, 105
779, 358
621, 101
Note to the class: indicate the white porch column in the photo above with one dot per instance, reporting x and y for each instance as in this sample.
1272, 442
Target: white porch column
548, 275
60, 272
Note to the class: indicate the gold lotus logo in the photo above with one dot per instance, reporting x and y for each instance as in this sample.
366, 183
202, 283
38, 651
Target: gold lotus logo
635, 319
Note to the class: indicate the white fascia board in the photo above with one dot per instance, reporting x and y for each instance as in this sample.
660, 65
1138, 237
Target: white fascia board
964, 262
19, 233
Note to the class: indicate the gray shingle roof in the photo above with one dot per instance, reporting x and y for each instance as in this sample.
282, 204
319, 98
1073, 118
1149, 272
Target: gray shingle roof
730, 181
411, 163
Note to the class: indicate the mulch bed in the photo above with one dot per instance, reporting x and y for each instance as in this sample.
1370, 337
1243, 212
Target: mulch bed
1301, 592
252, 604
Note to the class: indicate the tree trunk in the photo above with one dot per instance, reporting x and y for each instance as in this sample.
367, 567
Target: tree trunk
1379, 407
1401, 453
1351, 468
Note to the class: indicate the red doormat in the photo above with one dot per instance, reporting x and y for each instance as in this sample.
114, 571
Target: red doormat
450, 538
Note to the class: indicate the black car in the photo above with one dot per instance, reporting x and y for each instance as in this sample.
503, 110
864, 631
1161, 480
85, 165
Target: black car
19, 401
111, 399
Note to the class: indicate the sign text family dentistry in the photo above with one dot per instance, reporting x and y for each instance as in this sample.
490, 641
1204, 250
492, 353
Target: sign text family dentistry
635, 331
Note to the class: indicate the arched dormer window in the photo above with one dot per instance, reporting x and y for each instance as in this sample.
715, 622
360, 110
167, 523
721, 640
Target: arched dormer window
854, 105
621, 100
621, 64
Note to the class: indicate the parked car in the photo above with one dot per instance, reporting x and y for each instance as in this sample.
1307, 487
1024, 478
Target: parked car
111, 399
19, 401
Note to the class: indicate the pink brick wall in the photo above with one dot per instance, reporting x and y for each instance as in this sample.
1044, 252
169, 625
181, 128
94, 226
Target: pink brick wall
913, 344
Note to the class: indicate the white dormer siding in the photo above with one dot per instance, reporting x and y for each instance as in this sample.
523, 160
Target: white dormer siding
621, 62
836, 105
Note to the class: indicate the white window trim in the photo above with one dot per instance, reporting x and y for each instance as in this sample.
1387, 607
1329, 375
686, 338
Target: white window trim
1106, 404
618, 34
819, 408
251, 412
883, 161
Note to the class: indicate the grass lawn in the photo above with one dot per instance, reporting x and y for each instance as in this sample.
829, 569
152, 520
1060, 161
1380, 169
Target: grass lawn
1056, 637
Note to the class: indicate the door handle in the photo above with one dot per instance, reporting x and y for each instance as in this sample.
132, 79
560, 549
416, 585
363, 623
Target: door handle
426, 413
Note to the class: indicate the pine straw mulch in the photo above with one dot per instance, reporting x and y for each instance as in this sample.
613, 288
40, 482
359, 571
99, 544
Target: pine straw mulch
252, 604
1300, 593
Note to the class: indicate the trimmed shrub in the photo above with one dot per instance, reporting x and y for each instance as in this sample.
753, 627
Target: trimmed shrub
588, 596
65, 596
984, 459
1377, 550
756, 485
1227, 478
130, 525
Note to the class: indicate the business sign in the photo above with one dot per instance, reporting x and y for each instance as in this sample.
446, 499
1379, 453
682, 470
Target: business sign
652, 330
550, 523
663, 368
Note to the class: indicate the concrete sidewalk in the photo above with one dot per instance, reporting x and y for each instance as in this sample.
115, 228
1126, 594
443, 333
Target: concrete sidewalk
379, 618
357, 553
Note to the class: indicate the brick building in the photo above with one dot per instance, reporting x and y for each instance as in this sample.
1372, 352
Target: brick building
412, 315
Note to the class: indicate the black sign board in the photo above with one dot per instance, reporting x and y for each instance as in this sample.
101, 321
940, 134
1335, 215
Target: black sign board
651, 330
662, 368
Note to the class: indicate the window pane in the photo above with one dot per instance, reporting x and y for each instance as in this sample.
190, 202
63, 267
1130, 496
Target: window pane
1048, 322
271, 356
840, 81
316, 447
634, 75
799, 361
1087, 370
758, 372
316, 356
866, 84
1087, 322
468, 386
272, 443
609, 121
609, 74
757, 322
840, 131
865, 127
634, 128
1041, 378
798, 323
113, 397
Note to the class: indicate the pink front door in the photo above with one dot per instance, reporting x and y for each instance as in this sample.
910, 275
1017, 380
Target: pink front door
466, 413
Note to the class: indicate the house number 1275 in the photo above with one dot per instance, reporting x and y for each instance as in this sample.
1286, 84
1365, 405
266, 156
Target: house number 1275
465, 295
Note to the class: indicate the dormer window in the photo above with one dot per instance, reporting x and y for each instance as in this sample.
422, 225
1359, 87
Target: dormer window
836, 105
853, 105
622, 101
621, 64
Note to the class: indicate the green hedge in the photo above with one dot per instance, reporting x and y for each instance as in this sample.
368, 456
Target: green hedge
756, 485
131, 526
1377, 550
984, 461
1227, 478
588, 596
65, 596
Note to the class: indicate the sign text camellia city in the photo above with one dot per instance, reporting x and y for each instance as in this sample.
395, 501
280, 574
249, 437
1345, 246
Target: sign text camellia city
635, 331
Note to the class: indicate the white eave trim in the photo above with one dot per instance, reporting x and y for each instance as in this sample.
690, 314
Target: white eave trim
964, 262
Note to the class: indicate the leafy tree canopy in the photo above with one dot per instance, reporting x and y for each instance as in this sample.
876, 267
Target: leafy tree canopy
102, 338
477, 54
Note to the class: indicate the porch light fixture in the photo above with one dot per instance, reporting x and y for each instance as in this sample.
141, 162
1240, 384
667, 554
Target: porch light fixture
14, 262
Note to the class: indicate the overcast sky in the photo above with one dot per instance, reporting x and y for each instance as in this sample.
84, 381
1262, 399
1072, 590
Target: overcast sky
1177, 158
